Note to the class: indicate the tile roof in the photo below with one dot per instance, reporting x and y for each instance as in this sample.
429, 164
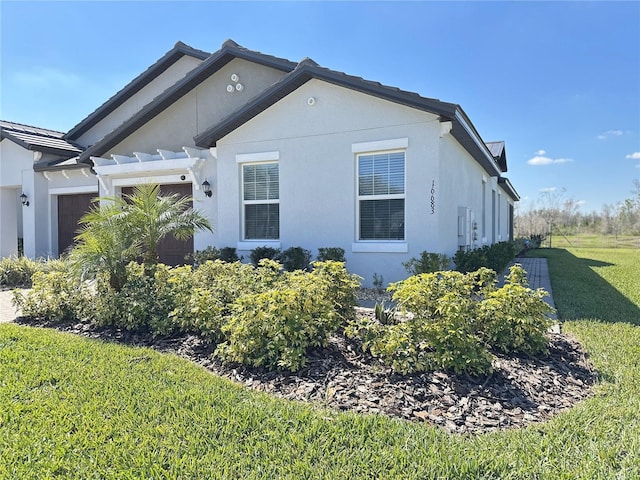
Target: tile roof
38, 139
462, 128
296, 75
213, 63
172, 56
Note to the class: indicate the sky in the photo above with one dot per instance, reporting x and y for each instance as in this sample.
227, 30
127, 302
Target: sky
559, 82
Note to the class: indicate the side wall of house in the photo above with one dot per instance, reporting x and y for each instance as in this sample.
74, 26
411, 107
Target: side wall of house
461, 195
13, 161
314, 132
137, 101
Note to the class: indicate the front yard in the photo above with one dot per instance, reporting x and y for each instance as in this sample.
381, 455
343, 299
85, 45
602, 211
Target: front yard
77, 408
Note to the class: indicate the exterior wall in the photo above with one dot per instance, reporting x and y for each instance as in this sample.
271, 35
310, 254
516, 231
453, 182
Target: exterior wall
199, 109
318, 201
13, 161
461, 188
134, 104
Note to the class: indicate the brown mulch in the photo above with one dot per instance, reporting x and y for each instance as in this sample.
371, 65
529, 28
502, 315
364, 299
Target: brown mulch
521, 390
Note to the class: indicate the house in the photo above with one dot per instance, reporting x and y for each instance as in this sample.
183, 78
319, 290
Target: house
295, 154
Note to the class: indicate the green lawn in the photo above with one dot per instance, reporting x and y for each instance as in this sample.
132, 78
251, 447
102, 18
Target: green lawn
77, 408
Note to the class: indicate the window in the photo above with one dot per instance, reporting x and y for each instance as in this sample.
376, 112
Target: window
261, 201
381, 196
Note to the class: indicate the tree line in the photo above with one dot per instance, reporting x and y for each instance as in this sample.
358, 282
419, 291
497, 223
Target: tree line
554, 213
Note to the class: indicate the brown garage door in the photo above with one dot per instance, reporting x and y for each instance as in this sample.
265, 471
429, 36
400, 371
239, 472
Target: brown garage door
70, 209
170, 250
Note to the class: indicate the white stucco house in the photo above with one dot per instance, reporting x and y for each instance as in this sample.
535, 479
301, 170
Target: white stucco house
295, 154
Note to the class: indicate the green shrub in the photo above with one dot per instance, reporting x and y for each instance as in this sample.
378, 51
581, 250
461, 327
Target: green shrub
260, 253
499, 255
331, 253
229, 254
470, 260
143, 303
17, 271
427, 263
54, 295
199, 257
495, 257
340, 287
453, 320
296, 310
226, 254
515, 318
273, 329
296, 258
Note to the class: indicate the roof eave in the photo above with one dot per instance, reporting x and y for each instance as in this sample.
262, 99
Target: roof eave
506, 185
167, 60
199, 74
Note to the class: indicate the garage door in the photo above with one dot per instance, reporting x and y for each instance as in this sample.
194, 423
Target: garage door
70, 209
170, 250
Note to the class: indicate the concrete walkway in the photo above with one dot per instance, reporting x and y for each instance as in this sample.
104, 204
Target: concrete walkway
8, 312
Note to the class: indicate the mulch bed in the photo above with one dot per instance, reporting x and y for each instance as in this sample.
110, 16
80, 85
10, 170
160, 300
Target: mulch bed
520, 391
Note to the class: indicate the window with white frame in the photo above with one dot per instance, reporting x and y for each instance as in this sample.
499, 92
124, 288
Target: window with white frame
381, 196
261, 201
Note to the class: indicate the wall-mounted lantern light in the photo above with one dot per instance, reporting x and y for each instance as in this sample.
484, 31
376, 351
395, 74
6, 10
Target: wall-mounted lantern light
206, 188
24, 199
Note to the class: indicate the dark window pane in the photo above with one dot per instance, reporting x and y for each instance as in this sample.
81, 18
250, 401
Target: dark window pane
262, 222
382, 219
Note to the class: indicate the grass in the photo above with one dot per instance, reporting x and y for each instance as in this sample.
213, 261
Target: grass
594, 241
77, 408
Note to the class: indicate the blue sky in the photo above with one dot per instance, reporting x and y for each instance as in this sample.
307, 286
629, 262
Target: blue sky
558, 81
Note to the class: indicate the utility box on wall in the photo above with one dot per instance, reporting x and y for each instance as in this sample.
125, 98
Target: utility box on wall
465, 228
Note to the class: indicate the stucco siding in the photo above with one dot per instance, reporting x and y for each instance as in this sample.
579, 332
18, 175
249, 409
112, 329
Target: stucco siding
135, 103
199, 109
317, 169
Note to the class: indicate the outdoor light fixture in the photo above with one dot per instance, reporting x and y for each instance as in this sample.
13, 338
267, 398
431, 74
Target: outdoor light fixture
206, 188
24, 199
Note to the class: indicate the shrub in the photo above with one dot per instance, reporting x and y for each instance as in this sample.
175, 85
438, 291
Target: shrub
495, 257
335, 254
17, 271
273, 329
296, 310
470, 260
340, 287
499, 255
229, 254
515, 318
199, 257
261, 253
427, 263
226, 254
143, 303
455, 320
296, 258
54, 296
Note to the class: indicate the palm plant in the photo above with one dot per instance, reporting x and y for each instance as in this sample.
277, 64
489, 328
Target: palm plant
129, 227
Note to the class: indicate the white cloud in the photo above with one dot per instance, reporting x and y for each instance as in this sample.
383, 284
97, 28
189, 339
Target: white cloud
47, 77
541, 152
610, 134
633, 156
541, 160
548, 190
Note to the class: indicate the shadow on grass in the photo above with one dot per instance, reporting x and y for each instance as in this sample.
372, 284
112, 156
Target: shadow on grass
580, 293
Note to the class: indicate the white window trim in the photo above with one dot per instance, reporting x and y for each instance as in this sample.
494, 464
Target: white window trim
256, 159
375, 246
380, 145
379, 245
